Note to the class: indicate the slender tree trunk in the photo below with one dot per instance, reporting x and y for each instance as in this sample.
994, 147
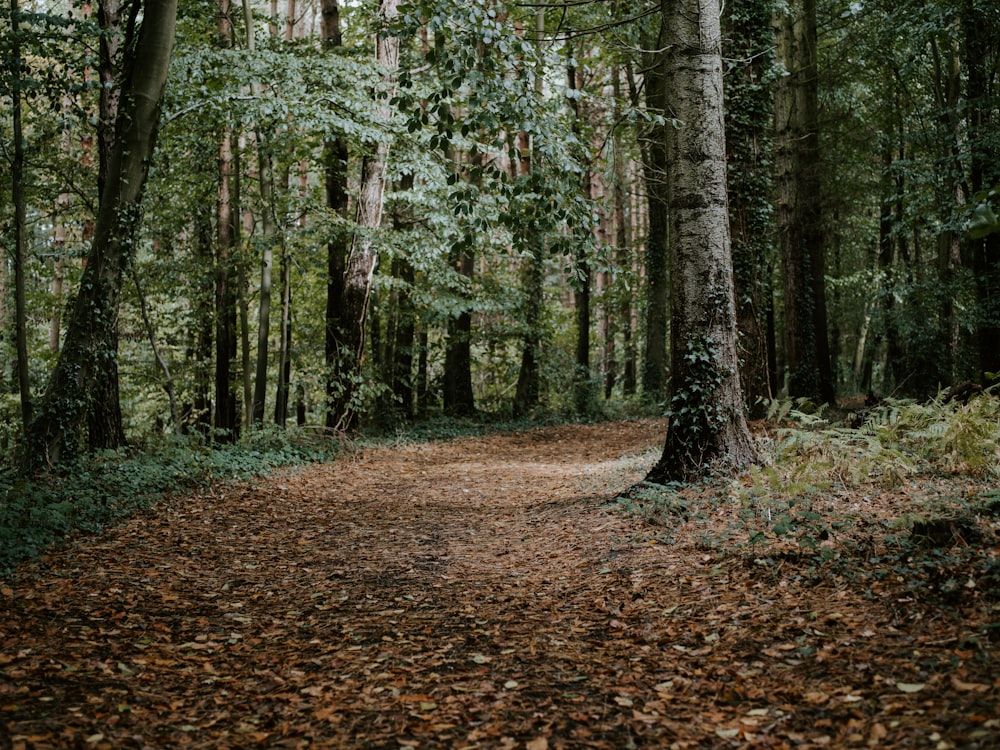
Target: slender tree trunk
20, 222
707, 428
457, 393
348, 321
204, 324
800, 230
335, 157
53, 435
269, 231
654, 163
749, 107
402, 365
227, 422
582, 395
948, 194
528, 388
285, 348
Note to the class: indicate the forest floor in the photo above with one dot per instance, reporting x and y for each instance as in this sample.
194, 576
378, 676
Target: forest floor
490, 592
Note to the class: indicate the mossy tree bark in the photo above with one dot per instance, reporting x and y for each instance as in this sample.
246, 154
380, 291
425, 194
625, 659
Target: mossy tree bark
54, 434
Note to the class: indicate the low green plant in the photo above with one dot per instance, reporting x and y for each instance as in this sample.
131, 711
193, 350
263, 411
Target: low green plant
108, 486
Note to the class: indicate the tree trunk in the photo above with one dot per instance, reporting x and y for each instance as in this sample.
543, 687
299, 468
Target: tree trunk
20, 222
204, 325
459, 399
982, 60
583, 397
104, 422
348, 321
800, 230
457, 394
528, 389
402, 369
707, 428
54, 434
335, 157
269, 231
285, 343
227, 422
749, 109
654, 164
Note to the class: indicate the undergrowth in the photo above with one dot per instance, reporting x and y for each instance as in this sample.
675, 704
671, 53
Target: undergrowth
109, 486
904, 490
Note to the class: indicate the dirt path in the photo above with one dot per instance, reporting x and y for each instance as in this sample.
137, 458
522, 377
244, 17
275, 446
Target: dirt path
478, 593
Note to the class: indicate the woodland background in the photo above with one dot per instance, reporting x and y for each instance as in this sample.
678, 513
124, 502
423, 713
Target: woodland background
521, 266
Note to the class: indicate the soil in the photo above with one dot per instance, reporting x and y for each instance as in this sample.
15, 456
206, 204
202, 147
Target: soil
480, 593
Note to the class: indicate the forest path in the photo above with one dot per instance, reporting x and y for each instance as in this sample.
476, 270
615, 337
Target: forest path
475, 593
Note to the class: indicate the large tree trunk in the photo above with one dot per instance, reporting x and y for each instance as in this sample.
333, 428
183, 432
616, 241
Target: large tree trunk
707, 428
347, 323
104, 422
54, 434
800, 230
749, 109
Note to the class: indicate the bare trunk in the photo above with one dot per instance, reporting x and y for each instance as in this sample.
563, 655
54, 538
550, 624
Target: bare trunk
528, 388
285, 343
349, 320
654, 163
20, 222
800, 231
269, 231
707, 428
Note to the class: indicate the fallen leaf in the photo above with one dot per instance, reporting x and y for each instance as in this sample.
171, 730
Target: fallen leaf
910, 687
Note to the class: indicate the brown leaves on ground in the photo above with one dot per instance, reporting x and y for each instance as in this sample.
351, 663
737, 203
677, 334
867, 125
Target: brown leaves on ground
476, 593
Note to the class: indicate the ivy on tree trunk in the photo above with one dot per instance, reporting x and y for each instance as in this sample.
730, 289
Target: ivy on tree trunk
55, 432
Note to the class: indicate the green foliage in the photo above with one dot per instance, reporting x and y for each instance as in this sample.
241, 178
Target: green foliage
908, 487
693, 411
107, 487
982, 213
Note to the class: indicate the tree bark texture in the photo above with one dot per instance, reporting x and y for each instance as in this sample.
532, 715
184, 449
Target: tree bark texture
54, 434
104, 422
348, 322
982, 56
20, 222
749, 110
707, 428
654, 164
800, 230
269, 231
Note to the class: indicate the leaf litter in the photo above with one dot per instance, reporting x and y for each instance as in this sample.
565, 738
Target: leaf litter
490, 593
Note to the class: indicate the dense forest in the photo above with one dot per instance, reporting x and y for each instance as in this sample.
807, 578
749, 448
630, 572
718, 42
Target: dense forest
219, 217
